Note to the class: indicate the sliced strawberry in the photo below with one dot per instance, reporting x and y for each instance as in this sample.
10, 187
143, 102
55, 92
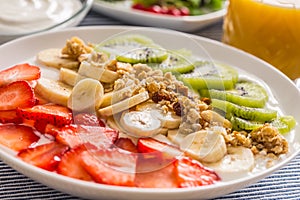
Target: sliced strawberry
40, 125
191, 173
48, 113
70, 164
73, 135
17, 137
111, 166
151, 147
46, 156
88, 120
126, 144
18, 94
161, 177
10, 116
19, 72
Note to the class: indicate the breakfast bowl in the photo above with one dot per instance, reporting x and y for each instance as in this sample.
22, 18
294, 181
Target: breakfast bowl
283, 97
21, 18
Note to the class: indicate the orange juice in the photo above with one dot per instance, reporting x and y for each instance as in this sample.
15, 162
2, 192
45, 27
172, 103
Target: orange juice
269, 29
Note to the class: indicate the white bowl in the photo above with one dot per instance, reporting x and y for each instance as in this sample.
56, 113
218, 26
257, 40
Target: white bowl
284, 90
74, 20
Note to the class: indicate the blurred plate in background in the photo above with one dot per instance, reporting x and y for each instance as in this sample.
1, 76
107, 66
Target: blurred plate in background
122, 10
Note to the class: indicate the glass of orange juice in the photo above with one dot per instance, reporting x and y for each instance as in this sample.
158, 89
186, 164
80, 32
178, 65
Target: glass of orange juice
268, 29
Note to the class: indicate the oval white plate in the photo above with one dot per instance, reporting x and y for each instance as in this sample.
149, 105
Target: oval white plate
123, 12
284, 90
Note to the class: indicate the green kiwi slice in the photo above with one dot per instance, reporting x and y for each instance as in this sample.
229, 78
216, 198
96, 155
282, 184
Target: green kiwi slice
248, 113
210, 75
245, 93
283, 124
178, 61
133, 49
243, 124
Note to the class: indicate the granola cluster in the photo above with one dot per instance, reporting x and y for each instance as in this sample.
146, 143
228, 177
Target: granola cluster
266, 140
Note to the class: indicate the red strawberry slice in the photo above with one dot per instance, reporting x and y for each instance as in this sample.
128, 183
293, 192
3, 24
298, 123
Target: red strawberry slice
191, 173
73, 135
18, 94
126, 144
88, 120
17, 137
19, 72
48, 113
111, 166
70, 164
154, 148
46, 156
160, 177
10, 116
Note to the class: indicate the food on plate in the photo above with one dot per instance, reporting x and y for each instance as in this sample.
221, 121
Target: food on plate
244, 93
178, 8
131, 113
88, 90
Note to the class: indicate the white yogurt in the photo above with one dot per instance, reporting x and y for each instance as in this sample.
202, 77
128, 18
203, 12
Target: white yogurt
25, 16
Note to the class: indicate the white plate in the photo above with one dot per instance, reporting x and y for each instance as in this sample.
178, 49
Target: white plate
123, 12
284, 91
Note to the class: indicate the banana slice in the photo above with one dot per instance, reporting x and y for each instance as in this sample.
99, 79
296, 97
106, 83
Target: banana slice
175, 136
237, 162
169, 120
123, 105
205, 145
53, 91
71, 77
52, 58
140, 124
116, 96
68, 76
87, 94
98, 73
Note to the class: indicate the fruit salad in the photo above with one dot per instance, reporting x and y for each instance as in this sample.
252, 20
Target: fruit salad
128, 112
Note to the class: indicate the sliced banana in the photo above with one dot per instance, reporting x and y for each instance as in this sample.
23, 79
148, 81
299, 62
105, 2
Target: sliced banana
237, 163
53, 91
205, 145
87, 94
98, 73
116, 96
169, 119
52, 58
68, 76
175, 136
140, 124
124, 104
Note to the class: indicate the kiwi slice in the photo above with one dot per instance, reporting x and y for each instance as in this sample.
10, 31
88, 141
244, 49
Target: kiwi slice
210, 75
243, 124
178, 61
252, 114
133, 49
283, 124
244, 93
